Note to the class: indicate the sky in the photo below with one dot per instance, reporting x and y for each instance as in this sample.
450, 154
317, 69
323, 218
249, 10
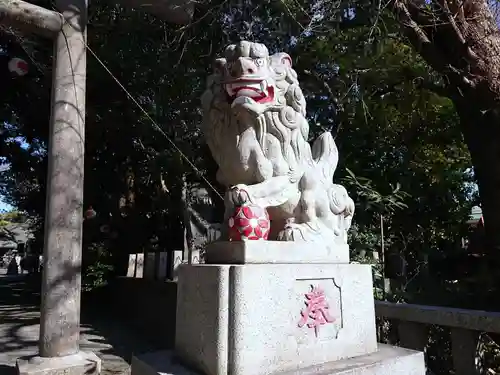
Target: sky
3, 166
4, 206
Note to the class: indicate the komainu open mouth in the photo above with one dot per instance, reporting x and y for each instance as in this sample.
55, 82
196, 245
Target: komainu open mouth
258, 90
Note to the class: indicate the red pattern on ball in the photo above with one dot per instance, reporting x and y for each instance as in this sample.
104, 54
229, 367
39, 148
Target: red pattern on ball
249, 222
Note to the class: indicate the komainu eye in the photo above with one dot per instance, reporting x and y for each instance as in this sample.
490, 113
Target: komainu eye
259, 62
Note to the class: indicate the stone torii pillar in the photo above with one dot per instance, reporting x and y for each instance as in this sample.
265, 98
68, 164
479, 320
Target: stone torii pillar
61, 282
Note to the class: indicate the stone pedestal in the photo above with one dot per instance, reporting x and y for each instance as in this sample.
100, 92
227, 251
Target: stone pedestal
139, 266
194, 256
386, 360
176, 262
267, 312
132, 260
246, 319
81, 363
276, 252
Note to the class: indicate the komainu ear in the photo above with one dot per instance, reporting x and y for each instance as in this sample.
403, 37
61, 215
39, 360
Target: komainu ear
282, 59
286, 59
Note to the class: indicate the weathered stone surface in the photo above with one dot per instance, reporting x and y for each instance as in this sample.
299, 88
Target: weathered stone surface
177, 260
255, 126
158, 363
30, 17
247, 319
132, 260
139, 266
202, 318
62, 254
385, 361
81, 363
474, 320
275, 252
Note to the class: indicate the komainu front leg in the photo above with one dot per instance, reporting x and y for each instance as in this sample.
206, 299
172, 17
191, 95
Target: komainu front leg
306, 226
270, 193
306, 232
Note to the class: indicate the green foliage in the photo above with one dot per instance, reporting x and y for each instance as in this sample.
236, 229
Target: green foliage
13, 217
10, 217
370, 199
97, 267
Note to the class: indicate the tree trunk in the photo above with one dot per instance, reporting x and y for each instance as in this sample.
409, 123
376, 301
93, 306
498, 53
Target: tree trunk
461, 40
481, 130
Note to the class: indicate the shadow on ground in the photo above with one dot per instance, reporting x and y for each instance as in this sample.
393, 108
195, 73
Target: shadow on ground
19, 303
101, 330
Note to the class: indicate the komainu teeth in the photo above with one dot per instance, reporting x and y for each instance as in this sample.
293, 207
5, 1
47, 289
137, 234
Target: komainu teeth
232, 88
263, 87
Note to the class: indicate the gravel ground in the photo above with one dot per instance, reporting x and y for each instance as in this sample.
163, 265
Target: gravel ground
100, 332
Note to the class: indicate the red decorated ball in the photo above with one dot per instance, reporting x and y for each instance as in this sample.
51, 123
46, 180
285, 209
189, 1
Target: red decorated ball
249, 222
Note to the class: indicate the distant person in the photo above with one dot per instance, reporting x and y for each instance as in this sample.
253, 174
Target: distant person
13, 267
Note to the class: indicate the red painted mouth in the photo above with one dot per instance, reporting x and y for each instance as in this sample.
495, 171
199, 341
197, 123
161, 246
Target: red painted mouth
255, 89
260, 97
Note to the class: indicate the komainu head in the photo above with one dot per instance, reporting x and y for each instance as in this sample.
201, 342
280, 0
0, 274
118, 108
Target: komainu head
247, 75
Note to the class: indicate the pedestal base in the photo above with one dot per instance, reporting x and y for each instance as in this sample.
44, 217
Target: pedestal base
387, 360
275, 252
81, 363
256, 319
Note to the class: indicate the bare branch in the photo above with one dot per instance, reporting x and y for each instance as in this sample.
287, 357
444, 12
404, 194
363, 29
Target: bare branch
30, 18
412, 29
451, 19
453, 37
323, 83
419, 38
174, 11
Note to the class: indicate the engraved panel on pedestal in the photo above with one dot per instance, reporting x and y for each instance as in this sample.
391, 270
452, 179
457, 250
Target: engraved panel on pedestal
318, 315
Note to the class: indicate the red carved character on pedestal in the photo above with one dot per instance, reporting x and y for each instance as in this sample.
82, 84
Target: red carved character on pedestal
316, 312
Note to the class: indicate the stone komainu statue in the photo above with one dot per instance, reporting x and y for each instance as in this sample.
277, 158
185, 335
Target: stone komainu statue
255, 125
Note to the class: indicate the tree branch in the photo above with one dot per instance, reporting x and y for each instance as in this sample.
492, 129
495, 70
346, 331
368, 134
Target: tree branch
323, 83
433, 40
420, 84
417, 35
174, 11
30, 18
451, 19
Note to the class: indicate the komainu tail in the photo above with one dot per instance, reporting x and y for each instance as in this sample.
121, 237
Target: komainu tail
325, 155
